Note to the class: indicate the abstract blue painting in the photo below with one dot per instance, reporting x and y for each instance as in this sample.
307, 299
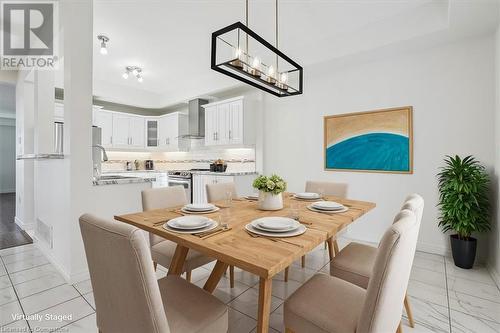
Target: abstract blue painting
377, 141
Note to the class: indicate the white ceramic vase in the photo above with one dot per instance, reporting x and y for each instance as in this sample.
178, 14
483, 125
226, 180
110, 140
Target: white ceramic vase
269, 201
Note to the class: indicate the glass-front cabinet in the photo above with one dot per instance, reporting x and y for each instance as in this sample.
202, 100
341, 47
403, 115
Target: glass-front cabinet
152, 135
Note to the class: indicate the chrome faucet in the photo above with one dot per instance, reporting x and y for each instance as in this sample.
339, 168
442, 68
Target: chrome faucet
104, 155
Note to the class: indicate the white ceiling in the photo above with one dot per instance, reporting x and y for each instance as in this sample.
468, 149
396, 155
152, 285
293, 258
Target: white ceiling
170, 39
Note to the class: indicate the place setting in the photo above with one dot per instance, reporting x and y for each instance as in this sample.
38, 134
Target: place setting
307, 196
199, 208
197, 225
275, 228
327, 207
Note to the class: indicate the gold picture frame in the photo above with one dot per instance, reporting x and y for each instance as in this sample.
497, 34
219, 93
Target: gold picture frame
379, 141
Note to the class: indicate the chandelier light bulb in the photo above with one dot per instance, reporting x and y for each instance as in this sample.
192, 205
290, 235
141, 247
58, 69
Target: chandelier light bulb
256, 62
238, 53
270, 71
283, 77
139, 78
135, 71
125, 75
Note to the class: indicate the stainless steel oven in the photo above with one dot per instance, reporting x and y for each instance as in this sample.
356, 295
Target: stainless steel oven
182, 178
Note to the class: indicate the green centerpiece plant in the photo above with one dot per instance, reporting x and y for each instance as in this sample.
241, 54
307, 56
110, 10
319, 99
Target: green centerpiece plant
270, 191
464, 205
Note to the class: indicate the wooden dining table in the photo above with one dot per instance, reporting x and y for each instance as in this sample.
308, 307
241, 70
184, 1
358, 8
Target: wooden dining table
262, 256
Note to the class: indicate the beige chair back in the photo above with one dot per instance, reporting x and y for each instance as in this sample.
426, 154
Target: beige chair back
217, 192
415, 203
389, 281
164, 197
327, 188
126, 292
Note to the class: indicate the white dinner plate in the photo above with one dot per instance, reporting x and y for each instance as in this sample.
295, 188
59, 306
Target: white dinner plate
299, 231
209, 227
275, 224
327, 205
184, 210
189, 222
252, 197
310, 207
203, 207
307, 196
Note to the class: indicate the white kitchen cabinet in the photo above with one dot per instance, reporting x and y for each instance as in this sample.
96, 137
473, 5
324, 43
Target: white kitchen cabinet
136, 132
128, 131
152, 132
171, 128
104, 120
243, 184
121, 137
224, 123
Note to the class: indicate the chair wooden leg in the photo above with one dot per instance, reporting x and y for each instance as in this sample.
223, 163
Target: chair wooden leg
155, 264
400, 328
188, 276
231, 276
408, 312
303, 263
286, 274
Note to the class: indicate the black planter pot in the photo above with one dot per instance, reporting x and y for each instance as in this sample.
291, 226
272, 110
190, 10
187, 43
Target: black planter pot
464, 251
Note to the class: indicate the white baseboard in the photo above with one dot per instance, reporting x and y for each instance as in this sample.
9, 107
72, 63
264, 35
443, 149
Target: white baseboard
25, 226
46, 252
494, 274
434, 249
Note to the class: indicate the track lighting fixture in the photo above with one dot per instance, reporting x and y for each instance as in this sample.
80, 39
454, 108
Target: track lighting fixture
135, 71
103, 39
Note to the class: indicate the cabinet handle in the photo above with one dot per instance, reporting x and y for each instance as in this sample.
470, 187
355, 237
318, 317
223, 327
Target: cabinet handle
230, 135
214, 135
111, 139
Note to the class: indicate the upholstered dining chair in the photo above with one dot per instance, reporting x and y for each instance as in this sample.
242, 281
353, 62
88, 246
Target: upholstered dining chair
329, 304
218, 192
355, 262
162, 250
129, 298
325, 188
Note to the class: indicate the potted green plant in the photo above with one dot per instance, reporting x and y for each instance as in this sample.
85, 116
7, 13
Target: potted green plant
270, 191
464, 205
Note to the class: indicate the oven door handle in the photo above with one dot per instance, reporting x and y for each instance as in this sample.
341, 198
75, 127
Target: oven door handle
175, 181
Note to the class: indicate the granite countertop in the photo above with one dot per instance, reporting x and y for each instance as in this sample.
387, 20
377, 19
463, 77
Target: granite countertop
235, 173
132, 171
130, 180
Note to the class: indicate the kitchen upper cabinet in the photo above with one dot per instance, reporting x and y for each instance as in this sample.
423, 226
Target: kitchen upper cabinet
128, 131
121, 137
224, 122
137, 132
171, 128
152, 132
104, 120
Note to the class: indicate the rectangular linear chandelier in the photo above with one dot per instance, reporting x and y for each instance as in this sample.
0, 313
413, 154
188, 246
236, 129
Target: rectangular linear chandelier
240, 53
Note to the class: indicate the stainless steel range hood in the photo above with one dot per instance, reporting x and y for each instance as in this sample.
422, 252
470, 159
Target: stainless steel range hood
196, 120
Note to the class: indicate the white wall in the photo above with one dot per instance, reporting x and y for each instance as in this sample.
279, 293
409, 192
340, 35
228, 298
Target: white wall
8, 158
494, 259
451, 90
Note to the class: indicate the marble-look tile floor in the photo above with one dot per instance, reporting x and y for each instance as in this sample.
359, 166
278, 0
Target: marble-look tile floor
444, 298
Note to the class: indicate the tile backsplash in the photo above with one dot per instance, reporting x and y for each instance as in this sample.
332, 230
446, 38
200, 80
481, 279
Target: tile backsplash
238, 159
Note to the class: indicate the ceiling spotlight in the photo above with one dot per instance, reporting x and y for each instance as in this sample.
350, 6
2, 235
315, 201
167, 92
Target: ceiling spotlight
103, 39
135, 71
